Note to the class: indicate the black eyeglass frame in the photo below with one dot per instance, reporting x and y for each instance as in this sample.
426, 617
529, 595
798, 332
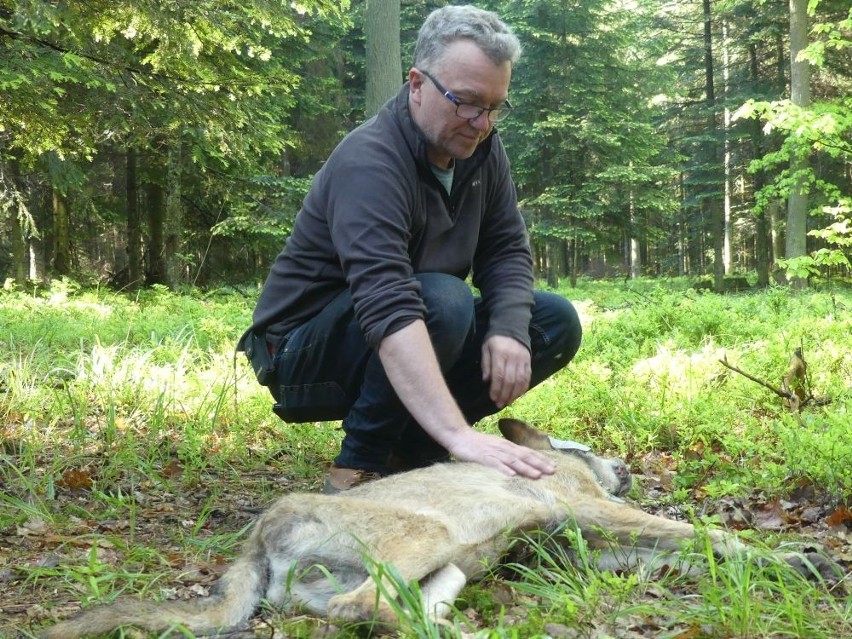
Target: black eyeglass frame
495, 114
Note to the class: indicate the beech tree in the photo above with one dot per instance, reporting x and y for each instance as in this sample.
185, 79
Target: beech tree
384, 68
800, 96
819, 129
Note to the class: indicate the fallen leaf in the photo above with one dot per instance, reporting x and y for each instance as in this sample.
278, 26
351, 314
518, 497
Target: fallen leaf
771, 517
76, 480
172, 469
840, 516
32, 527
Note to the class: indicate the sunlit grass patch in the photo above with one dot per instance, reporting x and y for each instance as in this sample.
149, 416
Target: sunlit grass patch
136, 447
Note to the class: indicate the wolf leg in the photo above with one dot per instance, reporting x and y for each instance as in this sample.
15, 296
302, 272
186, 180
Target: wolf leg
423, 548
440, 590
629, 525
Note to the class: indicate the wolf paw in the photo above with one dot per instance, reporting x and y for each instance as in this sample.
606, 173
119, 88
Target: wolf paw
352, 608
348, 608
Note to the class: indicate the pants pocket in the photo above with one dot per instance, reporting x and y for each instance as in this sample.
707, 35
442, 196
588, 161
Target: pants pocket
317, 402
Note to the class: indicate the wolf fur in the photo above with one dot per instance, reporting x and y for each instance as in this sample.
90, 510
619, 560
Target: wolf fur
441, 526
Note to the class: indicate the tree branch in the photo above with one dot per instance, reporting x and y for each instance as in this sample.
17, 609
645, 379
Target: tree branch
774, 389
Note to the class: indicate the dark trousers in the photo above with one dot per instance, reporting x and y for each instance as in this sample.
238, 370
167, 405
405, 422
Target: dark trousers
325, 370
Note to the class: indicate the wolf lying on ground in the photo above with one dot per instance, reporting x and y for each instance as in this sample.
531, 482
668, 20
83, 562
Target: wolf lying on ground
440, 526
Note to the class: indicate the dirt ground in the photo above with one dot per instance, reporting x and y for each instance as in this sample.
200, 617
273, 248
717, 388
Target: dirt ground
165, 522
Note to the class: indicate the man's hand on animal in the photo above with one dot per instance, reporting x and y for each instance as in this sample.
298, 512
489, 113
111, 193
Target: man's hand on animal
496, 452
419, 382
506, 365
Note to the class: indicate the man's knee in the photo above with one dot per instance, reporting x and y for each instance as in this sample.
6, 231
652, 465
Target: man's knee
555, 329
449, 311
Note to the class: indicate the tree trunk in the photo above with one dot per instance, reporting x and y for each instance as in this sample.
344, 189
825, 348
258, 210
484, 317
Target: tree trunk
9, 177
635, 259
134, 223
20, 260
156, 212
536, 260
762, 230
682, 230
553, 266
635, 256
728, 224
713, 209
776, 223
761, 250
800, 95
575, 262
384, 66
61, 234
174, 216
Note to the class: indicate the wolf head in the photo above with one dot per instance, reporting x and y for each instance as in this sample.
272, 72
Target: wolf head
613, 474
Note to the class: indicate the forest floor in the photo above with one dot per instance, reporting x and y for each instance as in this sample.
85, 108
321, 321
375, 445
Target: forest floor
39, 547
135, 452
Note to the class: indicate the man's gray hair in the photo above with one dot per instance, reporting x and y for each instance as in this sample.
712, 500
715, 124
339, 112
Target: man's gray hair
448, 24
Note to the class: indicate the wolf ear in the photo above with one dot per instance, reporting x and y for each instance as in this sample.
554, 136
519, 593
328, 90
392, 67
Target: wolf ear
523, 434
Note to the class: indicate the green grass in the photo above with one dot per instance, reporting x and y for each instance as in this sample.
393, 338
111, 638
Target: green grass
136, 448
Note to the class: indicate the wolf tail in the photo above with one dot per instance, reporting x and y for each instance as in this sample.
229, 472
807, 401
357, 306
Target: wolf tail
231, 602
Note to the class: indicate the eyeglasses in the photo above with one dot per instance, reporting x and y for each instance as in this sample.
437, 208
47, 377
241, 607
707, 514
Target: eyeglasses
469, 111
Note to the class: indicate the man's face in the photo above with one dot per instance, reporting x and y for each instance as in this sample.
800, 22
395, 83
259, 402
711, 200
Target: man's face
473, 78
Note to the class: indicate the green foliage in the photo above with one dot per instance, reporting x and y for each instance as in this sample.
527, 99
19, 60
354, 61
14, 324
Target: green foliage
232, 108
822, 129
649, 377
829, 34
615, 137
219, 74
818, 453
742, 598
217, 85
585, 154
837, 235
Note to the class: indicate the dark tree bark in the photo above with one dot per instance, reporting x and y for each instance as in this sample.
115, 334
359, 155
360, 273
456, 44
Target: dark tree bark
11, 175
61, 234
164, 214
553, 263
20, 262
134, 222
155, 200
712, 205
761, 244
174, 222
575, 259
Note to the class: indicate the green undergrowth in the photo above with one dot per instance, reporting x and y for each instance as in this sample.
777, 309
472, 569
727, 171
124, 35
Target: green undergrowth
650, 376
136, 447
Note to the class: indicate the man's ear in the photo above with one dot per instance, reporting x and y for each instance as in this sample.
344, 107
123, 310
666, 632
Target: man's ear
415, 84
523, 434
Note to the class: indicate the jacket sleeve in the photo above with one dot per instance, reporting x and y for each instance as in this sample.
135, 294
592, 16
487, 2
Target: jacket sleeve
502, 268
369, 211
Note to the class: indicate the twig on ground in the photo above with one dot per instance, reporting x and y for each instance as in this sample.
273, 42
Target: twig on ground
781, 393
794, 401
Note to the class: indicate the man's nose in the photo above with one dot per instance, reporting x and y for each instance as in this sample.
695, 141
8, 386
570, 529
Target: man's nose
481, 122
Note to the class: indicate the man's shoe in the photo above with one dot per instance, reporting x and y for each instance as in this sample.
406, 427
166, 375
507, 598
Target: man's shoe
341, 479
